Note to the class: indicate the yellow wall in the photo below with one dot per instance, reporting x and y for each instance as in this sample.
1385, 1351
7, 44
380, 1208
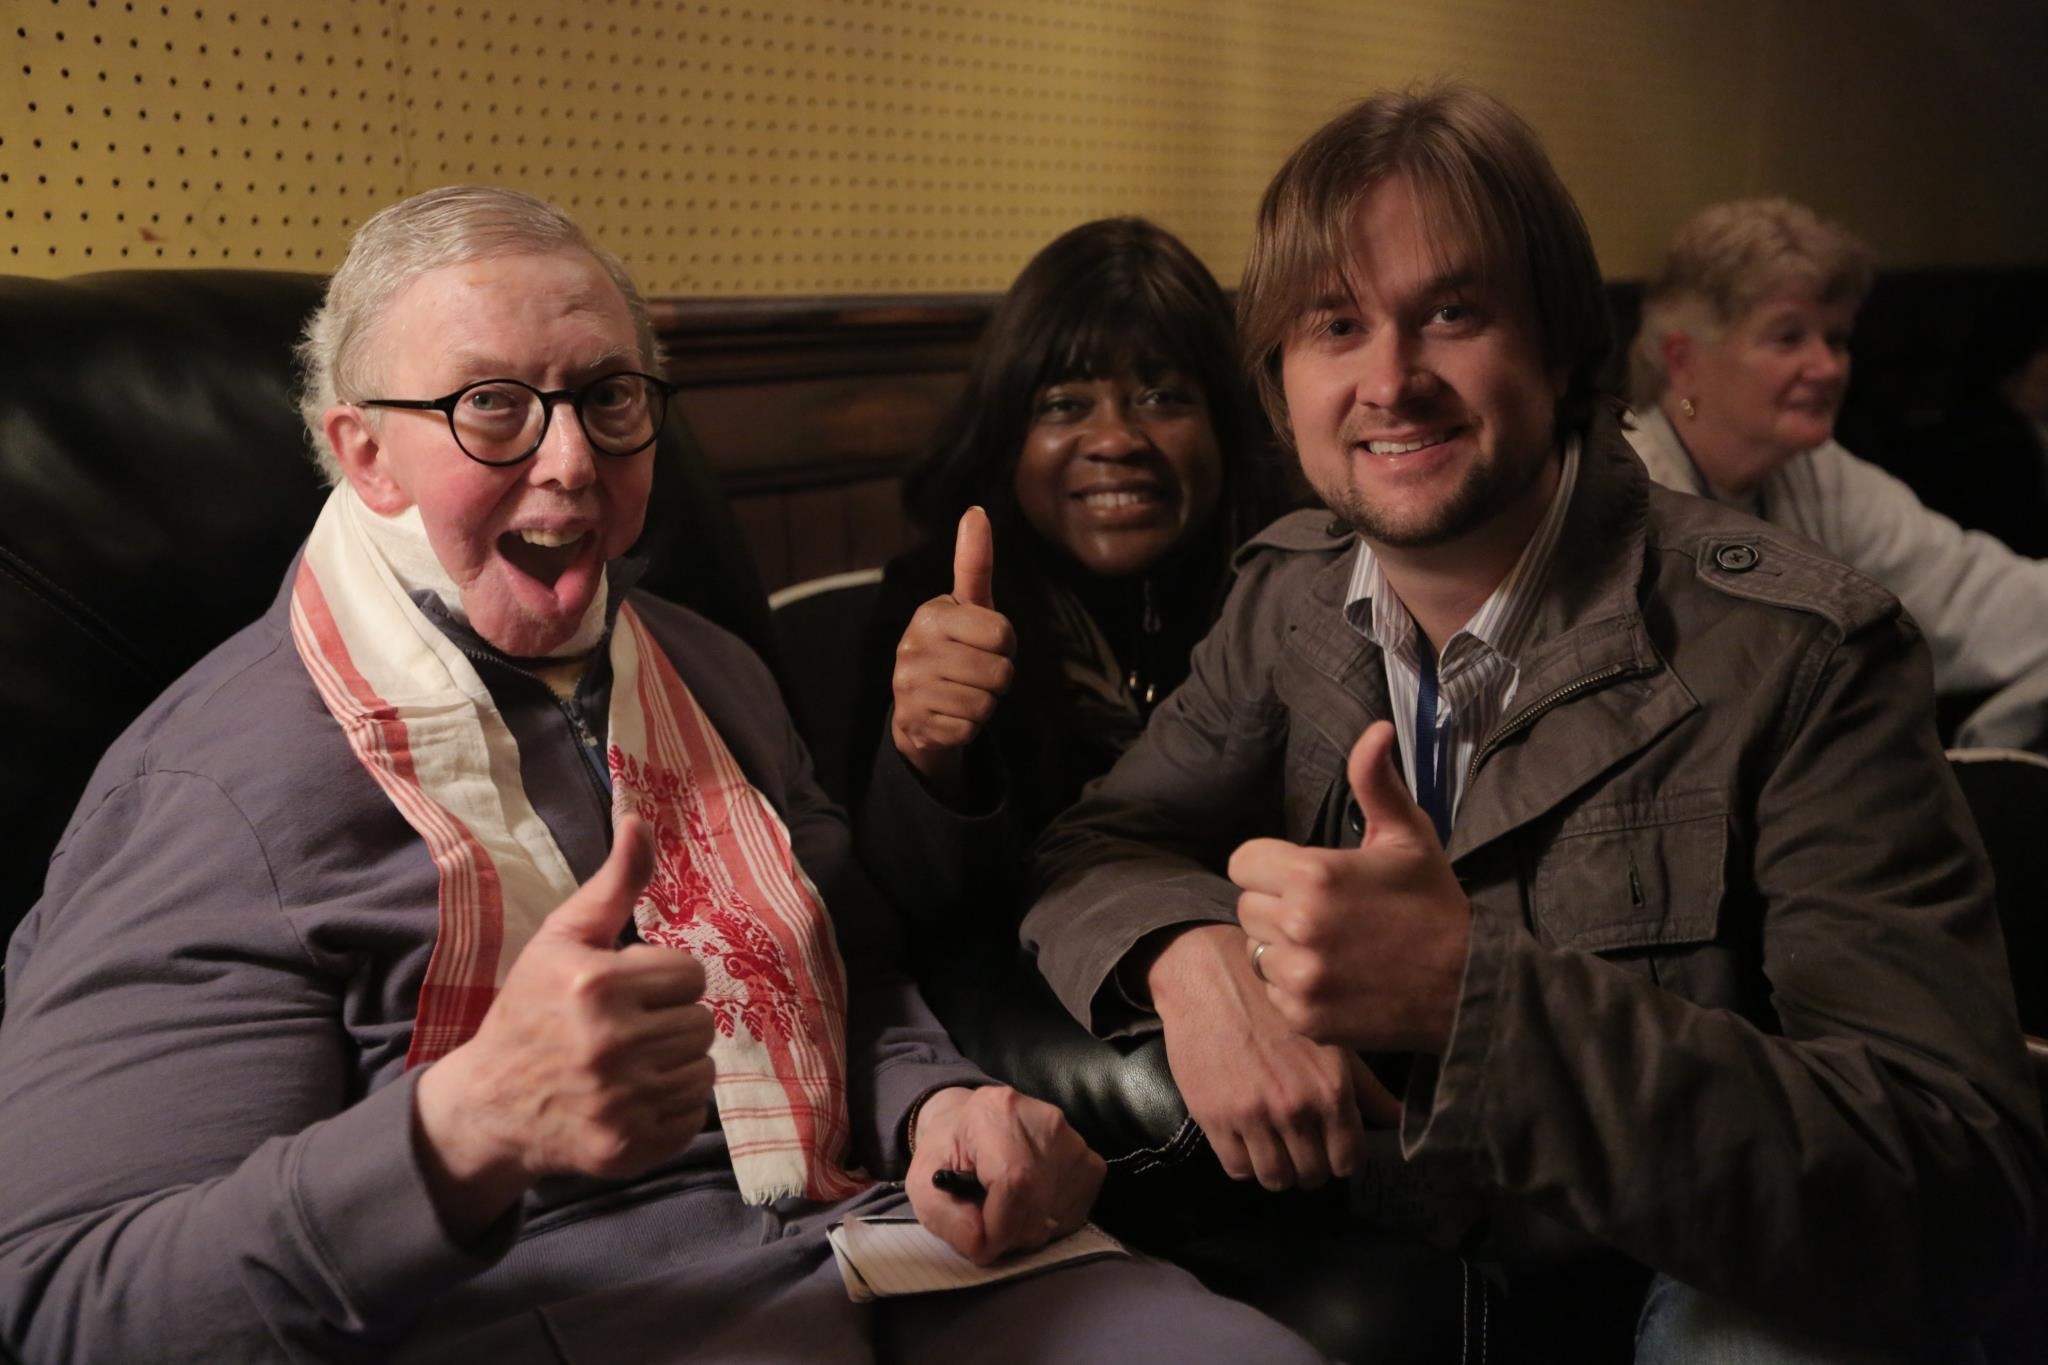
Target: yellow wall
883, 146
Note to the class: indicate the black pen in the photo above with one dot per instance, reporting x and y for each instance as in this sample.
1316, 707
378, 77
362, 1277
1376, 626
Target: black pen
959, 1184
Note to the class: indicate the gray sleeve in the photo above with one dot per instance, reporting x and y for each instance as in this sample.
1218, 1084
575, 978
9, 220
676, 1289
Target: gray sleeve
1983, 609
189, 1174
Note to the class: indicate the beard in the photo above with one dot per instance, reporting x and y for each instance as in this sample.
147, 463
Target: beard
1488, 488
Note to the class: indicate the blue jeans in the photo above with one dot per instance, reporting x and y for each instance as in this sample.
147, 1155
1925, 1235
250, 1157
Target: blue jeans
1682, 1326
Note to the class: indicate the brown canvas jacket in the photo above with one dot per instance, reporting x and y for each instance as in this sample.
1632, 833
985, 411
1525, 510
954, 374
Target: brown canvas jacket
1736, 1002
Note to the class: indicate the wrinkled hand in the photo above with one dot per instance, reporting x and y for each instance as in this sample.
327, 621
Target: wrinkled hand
592, 1059
1366, 946
954, 663
1273, 1104
1040, 1176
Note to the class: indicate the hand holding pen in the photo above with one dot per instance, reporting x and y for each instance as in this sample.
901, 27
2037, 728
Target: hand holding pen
995, 1172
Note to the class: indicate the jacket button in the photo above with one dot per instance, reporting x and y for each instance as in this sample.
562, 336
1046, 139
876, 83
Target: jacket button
1337, 529
1354, 818
1736, 558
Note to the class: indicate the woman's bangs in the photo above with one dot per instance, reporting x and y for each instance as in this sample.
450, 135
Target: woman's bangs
1107, 343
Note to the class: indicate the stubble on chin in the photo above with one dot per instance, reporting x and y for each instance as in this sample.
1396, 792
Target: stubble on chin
1410, 529
1485, 491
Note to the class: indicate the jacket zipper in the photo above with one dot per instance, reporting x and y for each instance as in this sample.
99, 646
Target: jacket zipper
1521, 720
586, 742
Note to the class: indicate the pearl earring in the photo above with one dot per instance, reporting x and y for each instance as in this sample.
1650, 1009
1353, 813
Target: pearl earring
1685, 406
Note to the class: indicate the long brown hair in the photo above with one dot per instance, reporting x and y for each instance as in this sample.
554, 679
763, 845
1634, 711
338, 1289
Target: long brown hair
1478, 170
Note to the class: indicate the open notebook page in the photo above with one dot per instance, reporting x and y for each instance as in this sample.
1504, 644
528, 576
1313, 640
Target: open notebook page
881, 1257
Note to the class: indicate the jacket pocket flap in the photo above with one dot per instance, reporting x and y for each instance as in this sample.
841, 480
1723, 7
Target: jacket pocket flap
1635, 874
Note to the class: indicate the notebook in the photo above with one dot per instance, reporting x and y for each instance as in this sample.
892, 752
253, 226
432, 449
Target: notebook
883, 1257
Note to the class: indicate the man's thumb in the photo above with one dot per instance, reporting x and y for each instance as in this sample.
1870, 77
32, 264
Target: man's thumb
974, 560
598, 910
1382, 796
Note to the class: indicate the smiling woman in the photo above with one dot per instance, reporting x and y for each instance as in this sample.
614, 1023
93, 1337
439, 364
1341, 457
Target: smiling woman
1745, 337
1109, 444
1740, 366
1117, 471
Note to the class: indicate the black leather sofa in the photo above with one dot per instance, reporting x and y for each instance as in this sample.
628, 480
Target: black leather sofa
154, 484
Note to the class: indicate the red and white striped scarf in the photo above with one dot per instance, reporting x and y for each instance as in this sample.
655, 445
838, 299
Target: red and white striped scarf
726, 885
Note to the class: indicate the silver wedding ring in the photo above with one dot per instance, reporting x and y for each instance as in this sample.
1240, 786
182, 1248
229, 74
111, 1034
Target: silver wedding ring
1258, 952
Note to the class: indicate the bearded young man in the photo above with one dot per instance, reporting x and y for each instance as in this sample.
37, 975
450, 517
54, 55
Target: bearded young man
1665, 902
317, 1050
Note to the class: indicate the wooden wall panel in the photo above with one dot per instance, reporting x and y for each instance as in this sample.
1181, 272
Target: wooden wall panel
824, 529
807, 430
764, 521
877, 529
810, 410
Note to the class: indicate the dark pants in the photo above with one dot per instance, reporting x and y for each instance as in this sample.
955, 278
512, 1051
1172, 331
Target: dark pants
763, 1286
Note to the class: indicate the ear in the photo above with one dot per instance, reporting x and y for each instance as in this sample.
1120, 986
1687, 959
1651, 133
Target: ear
1271, 389
1680, 354
361, 454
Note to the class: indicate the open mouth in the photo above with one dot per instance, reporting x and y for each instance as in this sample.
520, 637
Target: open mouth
543, 556
1121, 498
1410, 445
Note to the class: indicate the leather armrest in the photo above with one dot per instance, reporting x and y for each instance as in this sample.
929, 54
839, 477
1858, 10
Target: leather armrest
1165, 1185
1118, 1095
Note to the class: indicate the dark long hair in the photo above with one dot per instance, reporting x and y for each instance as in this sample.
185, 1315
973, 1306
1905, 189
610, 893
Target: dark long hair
1114, 295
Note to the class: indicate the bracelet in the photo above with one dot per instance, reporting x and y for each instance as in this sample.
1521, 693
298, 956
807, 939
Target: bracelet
910, 1123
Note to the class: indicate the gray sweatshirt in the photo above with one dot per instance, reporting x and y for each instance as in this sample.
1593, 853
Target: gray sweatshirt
205, 1120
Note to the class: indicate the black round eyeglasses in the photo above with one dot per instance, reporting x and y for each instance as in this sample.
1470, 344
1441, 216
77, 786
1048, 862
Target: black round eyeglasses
500, 422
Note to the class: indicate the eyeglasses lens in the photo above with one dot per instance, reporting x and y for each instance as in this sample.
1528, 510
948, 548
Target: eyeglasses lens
502, 422
497, 422
620, 413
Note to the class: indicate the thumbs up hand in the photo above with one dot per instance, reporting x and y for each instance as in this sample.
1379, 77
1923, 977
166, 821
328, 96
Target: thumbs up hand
954, 662
1363, 946
591, 1059
974, 560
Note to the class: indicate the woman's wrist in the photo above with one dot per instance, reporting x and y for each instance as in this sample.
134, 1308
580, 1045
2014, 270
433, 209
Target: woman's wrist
942, 770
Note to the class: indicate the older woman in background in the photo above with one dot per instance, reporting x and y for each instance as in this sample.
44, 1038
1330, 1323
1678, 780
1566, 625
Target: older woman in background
1736, 376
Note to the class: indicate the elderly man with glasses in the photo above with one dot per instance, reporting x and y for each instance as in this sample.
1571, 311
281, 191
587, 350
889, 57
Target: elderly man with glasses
460, 961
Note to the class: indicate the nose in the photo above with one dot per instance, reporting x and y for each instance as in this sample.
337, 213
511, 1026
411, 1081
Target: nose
1826, 362
1114, 433
1390, 370
565, 458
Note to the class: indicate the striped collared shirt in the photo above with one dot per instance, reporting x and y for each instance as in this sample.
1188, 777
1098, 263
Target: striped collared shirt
1480, 664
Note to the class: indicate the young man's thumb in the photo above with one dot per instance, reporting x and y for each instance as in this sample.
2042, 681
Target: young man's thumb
1383, 798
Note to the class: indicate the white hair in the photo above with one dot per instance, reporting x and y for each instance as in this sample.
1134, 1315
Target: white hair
448, 226
1725, 260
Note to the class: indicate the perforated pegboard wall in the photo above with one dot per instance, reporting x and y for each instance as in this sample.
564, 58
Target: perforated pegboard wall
778, 146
